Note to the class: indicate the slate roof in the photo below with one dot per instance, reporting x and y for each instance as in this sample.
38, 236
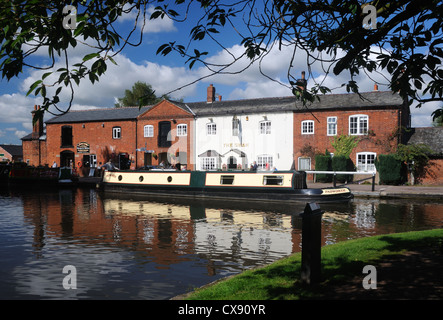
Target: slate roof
373, 99
101, 114
276, 104
431, 136
13, 149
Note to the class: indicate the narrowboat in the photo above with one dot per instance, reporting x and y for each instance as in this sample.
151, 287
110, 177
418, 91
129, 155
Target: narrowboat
264, 186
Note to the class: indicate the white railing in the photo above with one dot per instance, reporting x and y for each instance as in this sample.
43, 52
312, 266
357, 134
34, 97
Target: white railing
334, 173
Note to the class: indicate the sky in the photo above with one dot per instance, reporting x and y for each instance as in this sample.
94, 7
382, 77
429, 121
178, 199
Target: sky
168, 73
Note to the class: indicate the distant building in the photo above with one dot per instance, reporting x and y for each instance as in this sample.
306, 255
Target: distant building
433, 138
11, 152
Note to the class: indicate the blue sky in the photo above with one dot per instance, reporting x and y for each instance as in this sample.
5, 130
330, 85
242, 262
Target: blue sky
166, 74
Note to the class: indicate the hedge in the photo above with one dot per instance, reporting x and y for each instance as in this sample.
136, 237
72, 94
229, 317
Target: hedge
323, 163
342, 163
390, 169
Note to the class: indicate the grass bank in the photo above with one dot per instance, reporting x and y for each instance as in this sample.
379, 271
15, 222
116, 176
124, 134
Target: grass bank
340, 262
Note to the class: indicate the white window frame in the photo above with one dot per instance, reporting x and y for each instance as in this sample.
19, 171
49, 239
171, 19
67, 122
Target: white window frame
148, 131
363, 159
307, 127
299, 165
182, 130
355, 126
208, 163
211, 129
331, 126
116, 132
265, 127
262, 159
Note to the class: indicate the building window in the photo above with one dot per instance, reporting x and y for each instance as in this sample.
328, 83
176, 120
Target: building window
304, 164
66, 136
366, 161
164, 136
264, 162
116, 132
307, 127
182, 130
208, 163
265, 127
358, 124
235, 126
148, 131
332, 126
211, 129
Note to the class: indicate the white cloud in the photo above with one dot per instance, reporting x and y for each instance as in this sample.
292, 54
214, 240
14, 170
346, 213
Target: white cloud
151, 26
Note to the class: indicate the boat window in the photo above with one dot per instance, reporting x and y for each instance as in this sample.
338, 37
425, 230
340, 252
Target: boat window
226, 179
273, 180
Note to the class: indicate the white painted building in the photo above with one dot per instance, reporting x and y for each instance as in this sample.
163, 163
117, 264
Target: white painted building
235, 134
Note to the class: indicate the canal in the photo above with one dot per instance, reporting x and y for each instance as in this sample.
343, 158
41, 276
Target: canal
120, 247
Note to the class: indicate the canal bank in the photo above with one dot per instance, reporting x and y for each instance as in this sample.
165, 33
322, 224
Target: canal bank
390, 192
408, 264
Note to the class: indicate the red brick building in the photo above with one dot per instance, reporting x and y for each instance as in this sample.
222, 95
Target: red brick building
132, 138
128, 137
165, 133
376, 119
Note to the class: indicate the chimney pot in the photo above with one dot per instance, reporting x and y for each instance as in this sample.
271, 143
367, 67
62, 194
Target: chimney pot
375, 87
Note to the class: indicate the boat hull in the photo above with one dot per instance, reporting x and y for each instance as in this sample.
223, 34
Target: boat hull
233, 186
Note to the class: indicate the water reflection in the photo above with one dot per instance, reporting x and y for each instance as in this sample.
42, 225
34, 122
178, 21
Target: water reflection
127, 248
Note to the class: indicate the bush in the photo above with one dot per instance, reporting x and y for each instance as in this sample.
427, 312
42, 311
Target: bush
342, 163
390, 169
323, 163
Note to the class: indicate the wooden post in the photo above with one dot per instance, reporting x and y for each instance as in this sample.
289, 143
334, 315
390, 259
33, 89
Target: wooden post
311, 244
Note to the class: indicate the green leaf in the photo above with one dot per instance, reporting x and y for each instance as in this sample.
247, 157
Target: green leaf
90, 56
33, 86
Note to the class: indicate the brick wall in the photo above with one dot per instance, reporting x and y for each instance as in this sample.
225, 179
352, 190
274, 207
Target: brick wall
382, 126
34, 152
99, 136
165, 111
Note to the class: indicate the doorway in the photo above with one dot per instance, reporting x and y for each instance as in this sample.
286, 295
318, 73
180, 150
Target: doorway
67, 158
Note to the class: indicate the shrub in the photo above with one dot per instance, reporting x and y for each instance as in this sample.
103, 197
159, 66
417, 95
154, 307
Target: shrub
342, 163
323, 163
390, 169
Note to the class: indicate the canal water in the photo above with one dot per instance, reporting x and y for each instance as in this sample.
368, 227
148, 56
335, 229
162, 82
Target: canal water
119, 247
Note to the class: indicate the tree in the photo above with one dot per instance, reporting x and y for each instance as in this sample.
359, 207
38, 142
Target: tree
416, 157
405, 40
141, 94
344, 144
437, 117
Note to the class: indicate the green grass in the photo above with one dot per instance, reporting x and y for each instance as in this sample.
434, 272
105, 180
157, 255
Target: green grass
344, 260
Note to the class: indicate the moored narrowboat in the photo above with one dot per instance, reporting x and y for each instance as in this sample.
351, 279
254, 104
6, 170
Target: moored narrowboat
264, 186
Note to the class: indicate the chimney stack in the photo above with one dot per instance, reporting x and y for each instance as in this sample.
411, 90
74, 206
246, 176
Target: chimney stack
37, 123
210, 94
